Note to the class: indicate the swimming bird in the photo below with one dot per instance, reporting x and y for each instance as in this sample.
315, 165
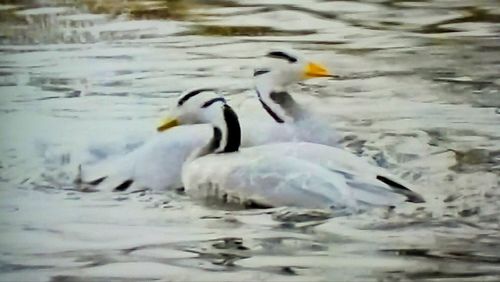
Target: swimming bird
282, 174
157, 163
288, 67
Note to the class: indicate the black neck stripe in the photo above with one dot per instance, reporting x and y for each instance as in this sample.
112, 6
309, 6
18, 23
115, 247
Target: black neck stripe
210, 102
233, 130
281, 98
191, 95
282, 55
271, 113
216, 139
268, 109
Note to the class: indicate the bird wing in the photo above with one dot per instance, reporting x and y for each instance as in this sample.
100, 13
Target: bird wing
250, 176
255, 132
156, 164
362, 176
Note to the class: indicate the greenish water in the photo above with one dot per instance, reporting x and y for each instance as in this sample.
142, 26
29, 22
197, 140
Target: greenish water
419, 93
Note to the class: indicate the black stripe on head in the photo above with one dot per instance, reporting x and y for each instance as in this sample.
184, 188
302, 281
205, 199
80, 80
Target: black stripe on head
258, 72
210, 102
281, 55
191, 95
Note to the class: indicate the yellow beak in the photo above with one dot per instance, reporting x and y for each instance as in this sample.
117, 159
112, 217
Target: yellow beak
313, 69
167, 123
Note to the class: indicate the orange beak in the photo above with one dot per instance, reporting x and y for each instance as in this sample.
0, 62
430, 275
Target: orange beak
313, 70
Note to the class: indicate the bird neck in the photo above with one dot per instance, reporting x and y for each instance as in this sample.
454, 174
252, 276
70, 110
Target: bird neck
226, 134
231, 136
279, 104
276, 101
289, 106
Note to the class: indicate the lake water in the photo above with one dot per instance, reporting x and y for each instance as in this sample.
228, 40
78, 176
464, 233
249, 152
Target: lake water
419, 94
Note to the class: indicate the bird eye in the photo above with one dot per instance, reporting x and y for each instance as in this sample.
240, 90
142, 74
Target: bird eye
282, 55
258, 72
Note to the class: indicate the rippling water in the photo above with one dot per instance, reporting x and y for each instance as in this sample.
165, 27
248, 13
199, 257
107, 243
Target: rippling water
419, 93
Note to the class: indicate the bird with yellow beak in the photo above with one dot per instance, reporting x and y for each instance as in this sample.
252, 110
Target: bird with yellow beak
158, 162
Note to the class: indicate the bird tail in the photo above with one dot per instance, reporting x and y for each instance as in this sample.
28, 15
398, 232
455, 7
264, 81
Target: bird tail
99, 178
399, 188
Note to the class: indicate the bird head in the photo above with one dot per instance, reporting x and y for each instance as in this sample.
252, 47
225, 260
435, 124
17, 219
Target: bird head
288, 66
194, 107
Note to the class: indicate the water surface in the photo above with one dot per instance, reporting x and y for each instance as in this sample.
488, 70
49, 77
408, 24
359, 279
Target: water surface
419, 94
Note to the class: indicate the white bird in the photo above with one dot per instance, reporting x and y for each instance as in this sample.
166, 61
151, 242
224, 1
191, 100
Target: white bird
271, 83
157, 163
282, 174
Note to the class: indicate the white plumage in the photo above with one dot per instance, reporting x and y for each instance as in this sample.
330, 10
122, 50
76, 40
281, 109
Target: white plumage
158, 162
296, 173
292, 174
